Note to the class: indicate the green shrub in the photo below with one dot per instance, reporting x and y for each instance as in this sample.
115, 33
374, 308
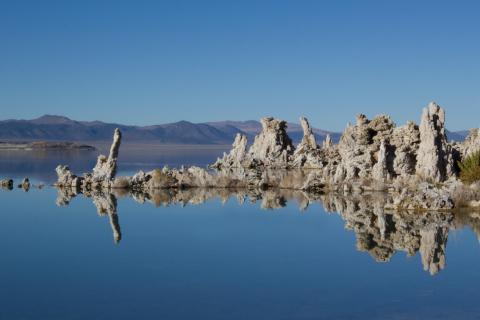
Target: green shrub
470, 168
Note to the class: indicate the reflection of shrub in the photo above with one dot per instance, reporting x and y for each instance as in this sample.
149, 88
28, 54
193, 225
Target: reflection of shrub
470, 168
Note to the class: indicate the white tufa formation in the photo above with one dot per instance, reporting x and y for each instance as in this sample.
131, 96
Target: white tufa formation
106, 168
308, 141
472, 143
328, 143
434, 159
272, 147
380, 170
236, 156
103, 174
408, 160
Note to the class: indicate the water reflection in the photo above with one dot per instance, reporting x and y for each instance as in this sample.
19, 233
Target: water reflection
378, 232
106, 204
382, 233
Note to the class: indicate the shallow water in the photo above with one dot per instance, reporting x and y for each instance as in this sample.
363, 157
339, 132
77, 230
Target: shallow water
216, 254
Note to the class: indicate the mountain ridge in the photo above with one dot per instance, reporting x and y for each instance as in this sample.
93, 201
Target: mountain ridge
54, 127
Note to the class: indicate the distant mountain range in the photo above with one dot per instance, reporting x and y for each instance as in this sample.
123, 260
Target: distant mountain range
49, 127
55, 128
457, 135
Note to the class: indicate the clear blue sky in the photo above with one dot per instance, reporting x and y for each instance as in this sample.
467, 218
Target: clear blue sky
146, 62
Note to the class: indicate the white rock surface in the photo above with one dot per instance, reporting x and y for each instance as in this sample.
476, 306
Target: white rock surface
414, 163
236, 157
328, 142
380, 170
471, 143
359, 144
272, 147
434, 159
106, 168
308, 141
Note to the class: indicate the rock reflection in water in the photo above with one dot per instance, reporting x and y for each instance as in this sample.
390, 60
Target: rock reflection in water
382, 233
106, 204
379, 232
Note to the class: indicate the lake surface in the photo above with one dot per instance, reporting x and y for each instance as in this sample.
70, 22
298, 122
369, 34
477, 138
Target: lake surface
226, 254
40, 165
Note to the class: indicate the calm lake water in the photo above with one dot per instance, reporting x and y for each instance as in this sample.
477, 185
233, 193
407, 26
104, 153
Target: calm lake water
225, 255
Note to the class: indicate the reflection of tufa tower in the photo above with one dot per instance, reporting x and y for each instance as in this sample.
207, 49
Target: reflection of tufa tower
106, 204
378, 232
382, 234
432, 249
117, 235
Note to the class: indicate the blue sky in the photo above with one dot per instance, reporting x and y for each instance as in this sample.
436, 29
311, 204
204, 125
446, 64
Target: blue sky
146, 62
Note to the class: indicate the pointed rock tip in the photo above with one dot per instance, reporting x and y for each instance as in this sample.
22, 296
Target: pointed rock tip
266, 119
433, 107
304, 123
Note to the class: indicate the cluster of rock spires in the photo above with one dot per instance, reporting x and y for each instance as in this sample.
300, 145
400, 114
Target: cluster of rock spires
415, 163
371, 149
379, 232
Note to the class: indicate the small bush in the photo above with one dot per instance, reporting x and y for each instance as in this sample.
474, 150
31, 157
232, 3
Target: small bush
161, 179
470, 168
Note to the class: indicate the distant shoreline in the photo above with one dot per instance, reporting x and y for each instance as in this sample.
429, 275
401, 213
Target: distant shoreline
43, 145
103, 146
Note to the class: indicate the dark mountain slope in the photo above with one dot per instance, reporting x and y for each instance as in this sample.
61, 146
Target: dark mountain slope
55, 128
